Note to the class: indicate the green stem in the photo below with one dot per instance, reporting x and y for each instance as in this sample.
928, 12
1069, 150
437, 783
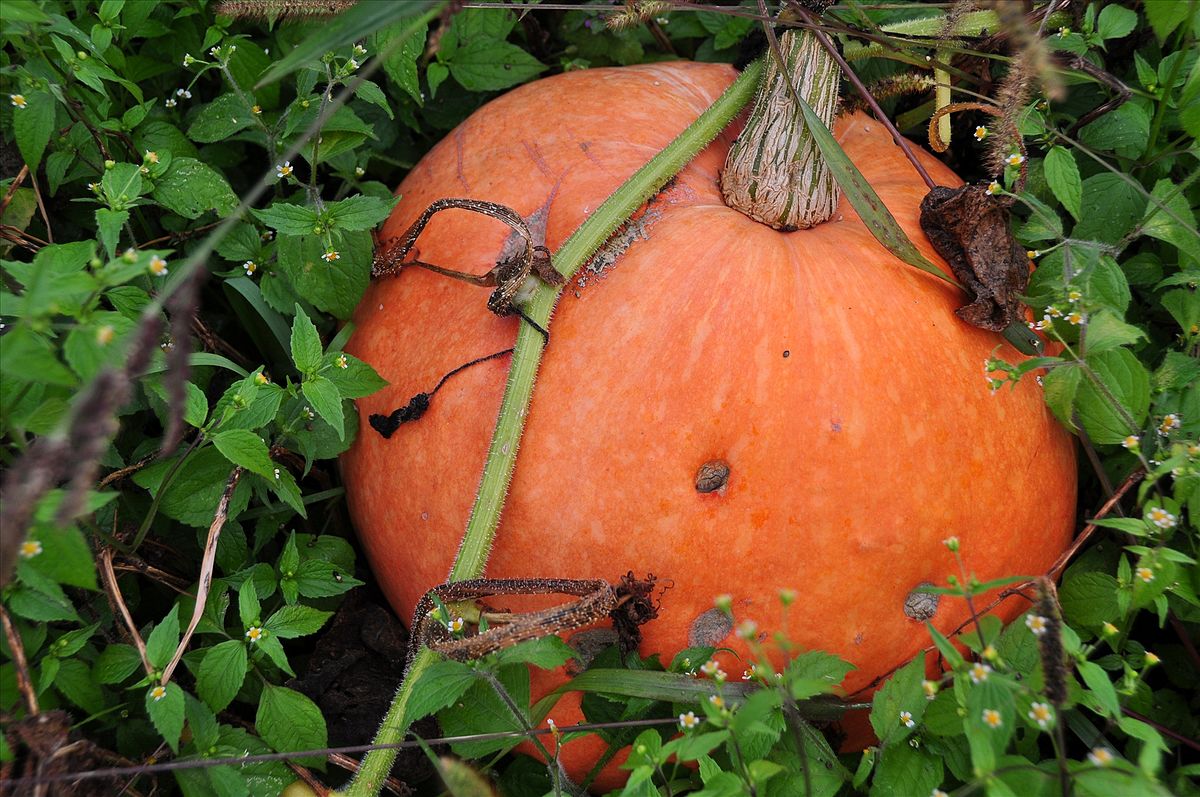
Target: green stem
527, 355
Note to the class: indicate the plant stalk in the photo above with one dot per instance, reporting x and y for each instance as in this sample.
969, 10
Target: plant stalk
527, 355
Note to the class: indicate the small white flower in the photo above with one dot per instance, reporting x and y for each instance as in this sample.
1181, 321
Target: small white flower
359, 50
1037, 624
256, 109
992, 718
254, 633
158, 266
170, 103
1015, 159
1130, 442
214, 52
688, 720
994, 187
979, 672
151, 156
1170, 423
1162, 518
980, 133
1064, 31
717, 701
359, 171
342, 362
1041, 714
277, 474
1076, 318
18, 100
187, 95
250, 267
1145, 574
455, 625
1100, 756
284, 171
1074, 296
906, 719
331, 256
158, 693
188, 60
352, 64
30, 549
938, 793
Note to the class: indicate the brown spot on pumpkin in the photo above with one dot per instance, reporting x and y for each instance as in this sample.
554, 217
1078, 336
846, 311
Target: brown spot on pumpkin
921, 606
786, 354
712, 476
858, 638
709, 629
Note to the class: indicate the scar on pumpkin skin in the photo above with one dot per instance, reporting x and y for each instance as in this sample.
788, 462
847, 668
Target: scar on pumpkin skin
712, 476
709, 629
920, 605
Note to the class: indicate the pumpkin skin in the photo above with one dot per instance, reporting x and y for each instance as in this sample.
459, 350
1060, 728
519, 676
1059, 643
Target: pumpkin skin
836, 382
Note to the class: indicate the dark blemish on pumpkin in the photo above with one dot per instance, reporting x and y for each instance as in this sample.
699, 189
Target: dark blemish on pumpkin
786, 354
712, 476
858, 638
835, 426
920, 605
458, 148
709, 629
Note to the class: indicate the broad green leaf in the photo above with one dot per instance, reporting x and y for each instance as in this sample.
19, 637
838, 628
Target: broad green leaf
32, 125
1111, 414
163, 640
249, 608
201, 721
1165, 17
1101, 688
1169, 218
352, 377
1106, 331
1125, 131
245, 448
1089, 599
290, 622
108, 228
1062, 175
1112, 205
331, 286
75, 681
220, 119
359, 212
305, 343
400, 58
195, 488
1184, 307
902, 693
287, 720
221, 672
438, 687
1116, 22
546, 653
165, 707
191, 189
289, 219
905, 771
491, 65
66, 557
323, 395
98, 342
116, 663
318, 579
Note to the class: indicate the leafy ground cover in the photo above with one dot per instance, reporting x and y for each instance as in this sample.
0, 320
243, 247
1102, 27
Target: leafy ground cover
188, 192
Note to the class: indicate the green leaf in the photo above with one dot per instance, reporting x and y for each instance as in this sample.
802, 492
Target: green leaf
163, 640
904, 771
1116, 22
196, 488
220, 119
1111, 206
66, 557
1184, 307
439, 686
1106, 331
290, 622
191, 189
1166, 17
38, 598
201, 721
491, 65
287, 720
354, 380
1126, 380
318, 579
1101, 687
370, 92
1125, 131
108, 227
546, 653
1062, 175
399, 55
1089, 599
305, 343
902, 693
166, 713
221, 672
359, 212
1174, 222
245, 448
249, 609
988, 741
333, 287
323, 395
32, 126
289, 219
116, 663
75, 681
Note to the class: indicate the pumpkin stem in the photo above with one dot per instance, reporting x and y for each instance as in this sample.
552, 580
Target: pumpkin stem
774, 172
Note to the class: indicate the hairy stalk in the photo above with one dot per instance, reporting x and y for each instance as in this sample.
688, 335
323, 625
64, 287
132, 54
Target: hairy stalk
502, 453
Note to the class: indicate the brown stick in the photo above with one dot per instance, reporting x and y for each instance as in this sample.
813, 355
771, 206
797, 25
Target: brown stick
12, 189
117, 475
18, 654
206, 571
37, 194
108, 578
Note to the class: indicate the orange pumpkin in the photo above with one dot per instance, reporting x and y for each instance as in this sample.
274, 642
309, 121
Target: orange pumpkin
835, 381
